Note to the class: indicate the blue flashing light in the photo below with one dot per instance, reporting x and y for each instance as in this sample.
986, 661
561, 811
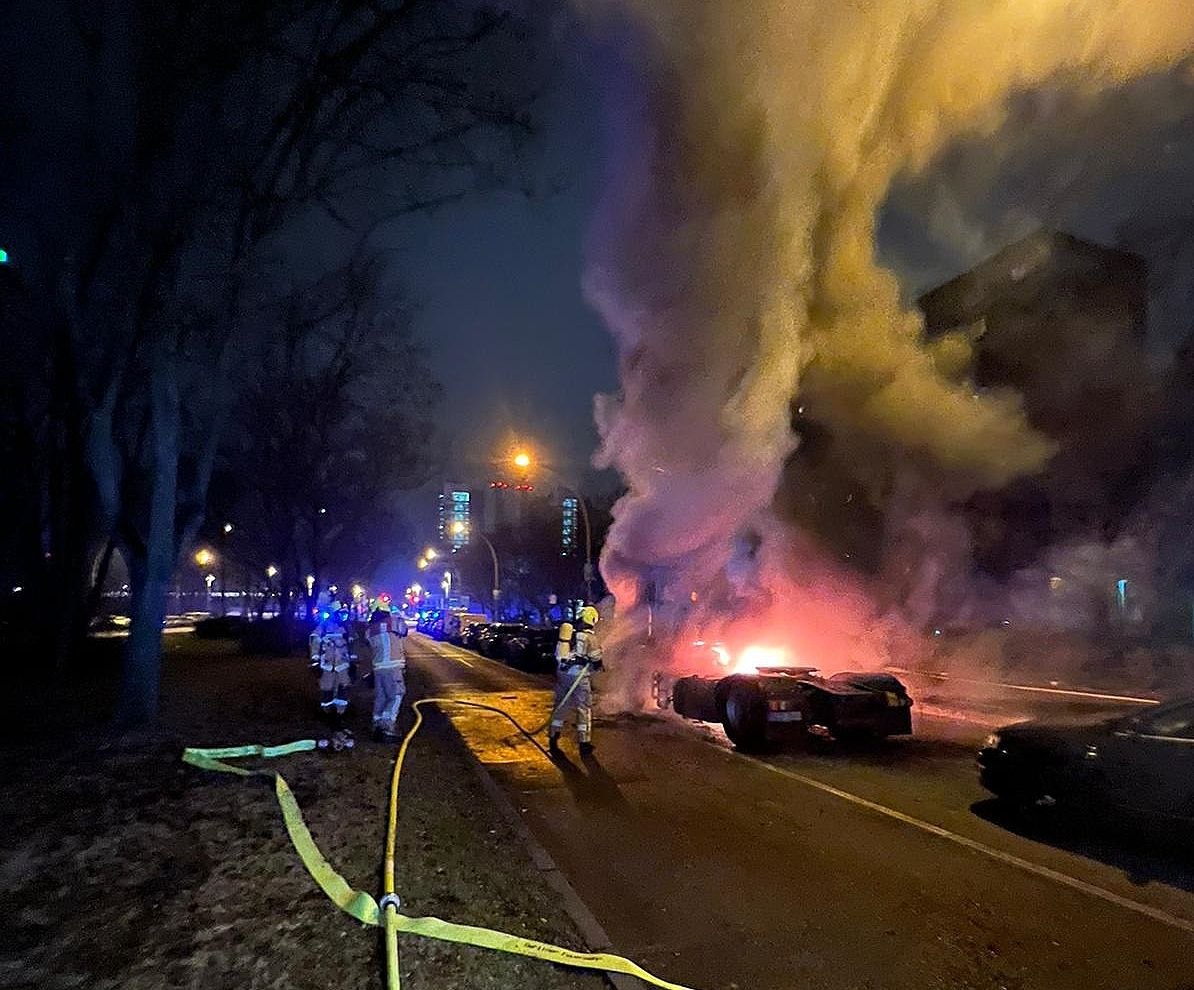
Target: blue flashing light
1121, 592
3, 257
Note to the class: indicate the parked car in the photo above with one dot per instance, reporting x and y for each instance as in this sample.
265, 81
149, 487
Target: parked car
464, 621
471, 635
532, 649
492, 642
1139, 765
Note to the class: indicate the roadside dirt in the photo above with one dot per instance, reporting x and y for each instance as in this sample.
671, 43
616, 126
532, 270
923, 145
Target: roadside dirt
122, 867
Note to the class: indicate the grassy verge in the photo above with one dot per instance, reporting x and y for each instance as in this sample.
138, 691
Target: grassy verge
121, 867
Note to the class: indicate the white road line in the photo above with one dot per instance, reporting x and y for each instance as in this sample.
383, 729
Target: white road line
1064, 879
1081, 694
439, 649
1070, 692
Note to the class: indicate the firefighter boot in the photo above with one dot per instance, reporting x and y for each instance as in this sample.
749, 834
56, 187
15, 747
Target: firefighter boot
553, 743
586, 748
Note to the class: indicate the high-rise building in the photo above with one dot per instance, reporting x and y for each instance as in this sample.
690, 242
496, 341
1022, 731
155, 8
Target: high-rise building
455, 516
1061, 321
569, 509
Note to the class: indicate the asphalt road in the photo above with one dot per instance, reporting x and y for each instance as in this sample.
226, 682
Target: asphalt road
879, 868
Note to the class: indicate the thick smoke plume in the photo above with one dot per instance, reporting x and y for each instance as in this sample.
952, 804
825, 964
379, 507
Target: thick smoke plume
734, 259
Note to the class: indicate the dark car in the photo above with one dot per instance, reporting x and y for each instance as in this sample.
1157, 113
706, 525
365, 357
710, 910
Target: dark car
471, 634
1140, 765
532, 649
492, 642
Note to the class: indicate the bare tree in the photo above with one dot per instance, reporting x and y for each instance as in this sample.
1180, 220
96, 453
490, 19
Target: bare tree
192, 142
336, 419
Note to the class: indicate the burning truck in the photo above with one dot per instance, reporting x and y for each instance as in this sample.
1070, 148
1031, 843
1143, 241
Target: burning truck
763, 700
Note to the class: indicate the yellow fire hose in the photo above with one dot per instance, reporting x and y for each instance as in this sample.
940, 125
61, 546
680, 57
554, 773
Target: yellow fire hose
385, 914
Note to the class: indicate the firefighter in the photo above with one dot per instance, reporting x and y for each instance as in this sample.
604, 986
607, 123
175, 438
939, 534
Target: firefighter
331, 654
577, 656
386, 632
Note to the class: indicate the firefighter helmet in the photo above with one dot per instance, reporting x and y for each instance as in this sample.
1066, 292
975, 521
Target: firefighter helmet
587, 616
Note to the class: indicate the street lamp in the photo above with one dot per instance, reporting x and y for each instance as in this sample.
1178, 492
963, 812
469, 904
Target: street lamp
204, 557
209, 581
271, 572
459, 528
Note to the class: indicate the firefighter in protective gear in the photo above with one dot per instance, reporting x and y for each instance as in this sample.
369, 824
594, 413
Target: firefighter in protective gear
386, 633
577, 656
331, 654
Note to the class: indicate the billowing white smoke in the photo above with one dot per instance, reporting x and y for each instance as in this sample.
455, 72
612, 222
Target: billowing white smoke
734, 256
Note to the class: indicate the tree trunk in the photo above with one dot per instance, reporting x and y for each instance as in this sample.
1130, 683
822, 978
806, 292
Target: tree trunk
152, 566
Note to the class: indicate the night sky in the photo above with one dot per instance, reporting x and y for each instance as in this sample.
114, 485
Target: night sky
498, 284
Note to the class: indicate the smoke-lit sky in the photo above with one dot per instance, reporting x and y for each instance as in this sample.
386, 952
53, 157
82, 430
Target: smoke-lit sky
499, 279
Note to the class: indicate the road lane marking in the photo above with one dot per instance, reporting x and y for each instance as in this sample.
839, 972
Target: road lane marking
1069, 692
1080, 694
1045, 872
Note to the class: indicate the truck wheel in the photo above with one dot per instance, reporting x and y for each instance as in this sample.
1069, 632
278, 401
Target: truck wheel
745, 716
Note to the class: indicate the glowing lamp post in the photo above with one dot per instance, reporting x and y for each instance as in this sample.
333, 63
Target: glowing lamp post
458, 528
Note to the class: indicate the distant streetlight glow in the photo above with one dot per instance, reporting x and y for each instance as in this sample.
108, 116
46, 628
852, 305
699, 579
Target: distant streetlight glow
271, 571
522, 460
358, 591
422, 563
227, 528
458, 527
310, 583
430, 553
204, 557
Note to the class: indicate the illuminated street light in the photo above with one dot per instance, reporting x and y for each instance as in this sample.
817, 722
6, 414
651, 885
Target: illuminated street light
358, 591
422, 563
416, 589
227, 528
204, 558
430, 553
310, 583
522, 460
271, 571
458, 528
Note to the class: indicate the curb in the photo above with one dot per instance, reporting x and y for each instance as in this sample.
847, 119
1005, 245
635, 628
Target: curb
586, 922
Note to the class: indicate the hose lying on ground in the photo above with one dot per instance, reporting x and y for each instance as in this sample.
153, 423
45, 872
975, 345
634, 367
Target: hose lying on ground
385, 913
